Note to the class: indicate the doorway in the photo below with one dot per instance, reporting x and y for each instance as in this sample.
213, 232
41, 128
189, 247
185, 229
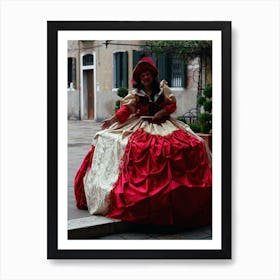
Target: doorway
87, 87
88, 79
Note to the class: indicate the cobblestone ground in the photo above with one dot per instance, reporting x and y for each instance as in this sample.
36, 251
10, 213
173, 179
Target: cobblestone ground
162, 233
80, 134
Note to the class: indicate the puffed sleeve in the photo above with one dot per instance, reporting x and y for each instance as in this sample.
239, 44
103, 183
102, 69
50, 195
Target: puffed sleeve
128, 106
169, 103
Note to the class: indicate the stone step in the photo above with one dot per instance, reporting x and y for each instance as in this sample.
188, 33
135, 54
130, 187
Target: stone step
94, 226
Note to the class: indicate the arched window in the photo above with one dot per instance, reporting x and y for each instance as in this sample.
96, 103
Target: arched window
87, 60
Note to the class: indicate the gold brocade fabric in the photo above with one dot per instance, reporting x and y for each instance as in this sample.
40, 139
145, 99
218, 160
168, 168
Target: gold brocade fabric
132, 100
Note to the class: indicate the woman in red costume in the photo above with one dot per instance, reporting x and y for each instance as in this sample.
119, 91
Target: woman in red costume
145, 166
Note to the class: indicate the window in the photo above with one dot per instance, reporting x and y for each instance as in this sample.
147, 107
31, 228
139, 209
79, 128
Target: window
137, 55
87, 60
171, 68
71, 72
120, 70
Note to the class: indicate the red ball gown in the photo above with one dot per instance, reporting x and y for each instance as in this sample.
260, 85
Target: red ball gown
147, 173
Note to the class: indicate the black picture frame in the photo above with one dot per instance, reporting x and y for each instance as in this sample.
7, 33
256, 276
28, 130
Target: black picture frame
53, 252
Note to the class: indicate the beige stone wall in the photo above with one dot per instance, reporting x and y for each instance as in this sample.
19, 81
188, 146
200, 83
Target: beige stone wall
106, 94
104, 61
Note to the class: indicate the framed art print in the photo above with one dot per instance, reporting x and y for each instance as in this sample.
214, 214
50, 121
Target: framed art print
139, 140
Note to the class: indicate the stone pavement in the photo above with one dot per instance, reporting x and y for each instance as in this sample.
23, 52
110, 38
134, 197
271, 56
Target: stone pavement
83, 225
161, 233
80, 134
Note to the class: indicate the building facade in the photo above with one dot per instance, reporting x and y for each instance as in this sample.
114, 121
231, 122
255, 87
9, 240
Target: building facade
96, 69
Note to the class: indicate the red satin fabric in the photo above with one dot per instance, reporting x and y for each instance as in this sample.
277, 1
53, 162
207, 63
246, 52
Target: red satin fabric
79, 191
170, 108
123, 114
164, 180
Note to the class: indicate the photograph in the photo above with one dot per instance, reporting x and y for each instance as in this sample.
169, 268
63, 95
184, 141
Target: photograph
133, 144
139, 137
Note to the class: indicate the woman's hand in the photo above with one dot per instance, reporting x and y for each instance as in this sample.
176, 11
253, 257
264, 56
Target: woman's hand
109, 122
160, 116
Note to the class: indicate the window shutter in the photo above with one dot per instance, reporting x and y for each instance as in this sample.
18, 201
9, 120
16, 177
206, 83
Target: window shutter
184, 75
136, 57
169, 70
69, 71
154, 57
162, 67
118, 69
114, 70
124, 80
74, 72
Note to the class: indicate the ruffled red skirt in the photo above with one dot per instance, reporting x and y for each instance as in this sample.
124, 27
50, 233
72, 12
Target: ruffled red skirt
163, 180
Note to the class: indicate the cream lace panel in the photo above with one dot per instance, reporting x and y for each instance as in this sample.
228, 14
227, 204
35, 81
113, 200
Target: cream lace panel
100, 179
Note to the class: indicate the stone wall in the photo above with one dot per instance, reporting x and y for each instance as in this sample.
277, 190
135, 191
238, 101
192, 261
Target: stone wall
73, 104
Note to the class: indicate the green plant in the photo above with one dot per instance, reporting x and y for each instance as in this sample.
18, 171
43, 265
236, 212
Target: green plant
195, 127
208, 91
122, 92
117, 105
186, 49
205, 116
